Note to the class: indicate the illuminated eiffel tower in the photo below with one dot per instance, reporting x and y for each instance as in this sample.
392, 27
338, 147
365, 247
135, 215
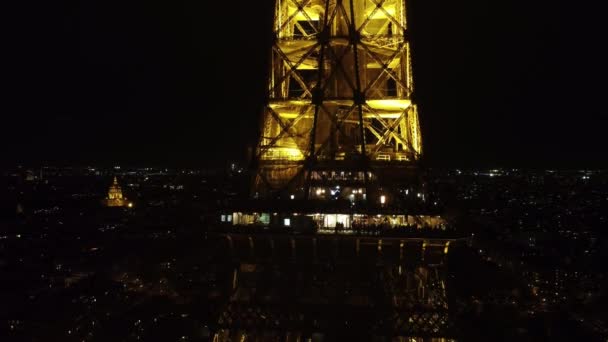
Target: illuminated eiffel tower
340, 127
340, 109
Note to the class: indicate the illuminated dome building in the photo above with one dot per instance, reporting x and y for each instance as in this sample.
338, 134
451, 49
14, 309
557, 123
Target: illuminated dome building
115, 197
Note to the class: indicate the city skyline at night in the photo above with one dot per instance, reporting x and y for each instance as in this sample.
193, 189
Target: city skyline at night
267, 171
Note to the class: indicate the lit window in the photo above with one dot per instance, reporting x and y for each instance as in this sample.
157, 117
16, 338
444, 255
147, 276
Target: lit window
223, 218
287, 222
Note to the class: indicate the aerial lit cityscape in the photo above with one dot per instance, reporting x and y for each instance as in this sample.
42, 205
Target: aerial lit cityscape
153, 271
302, 171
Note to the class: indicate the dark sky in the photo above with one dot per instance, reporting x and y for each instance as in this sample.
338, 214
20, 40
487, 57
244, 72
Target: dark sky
499, 83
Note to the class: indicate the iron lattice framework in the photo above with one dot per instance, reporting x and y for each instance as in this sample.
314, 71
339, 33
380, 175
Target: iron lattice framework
391, 287
382, 301
340, 96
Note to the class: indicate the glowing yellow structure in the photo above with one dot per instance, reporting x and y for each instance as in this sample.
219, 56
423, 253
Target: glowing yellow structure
338, 147
115, 198
340, 96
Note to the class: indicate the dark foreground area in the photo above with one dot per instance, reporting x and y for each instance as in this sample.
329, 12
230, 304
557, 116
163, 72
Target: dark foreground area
73, 270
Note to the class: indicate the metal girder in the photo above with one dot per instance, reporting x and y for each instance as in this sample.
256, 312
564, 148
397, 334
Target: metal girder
385, 67
292, 67
287, 128
298, 5
338, 57
298, 300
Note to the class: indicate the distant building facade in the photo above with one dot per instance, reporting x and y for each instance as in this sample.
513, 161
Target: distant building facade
115, 197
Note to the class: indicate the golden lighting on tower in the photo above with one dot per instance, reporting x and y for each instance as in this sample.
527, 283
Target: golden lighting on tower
340, 89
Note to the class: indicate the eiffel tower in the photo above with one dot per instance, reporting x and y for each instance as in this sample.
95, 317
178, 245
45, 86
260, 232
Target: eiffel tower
340, 109
330, 247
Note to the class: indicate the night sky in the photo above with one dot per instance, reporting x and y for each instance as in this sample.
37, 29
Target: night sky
498, 83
